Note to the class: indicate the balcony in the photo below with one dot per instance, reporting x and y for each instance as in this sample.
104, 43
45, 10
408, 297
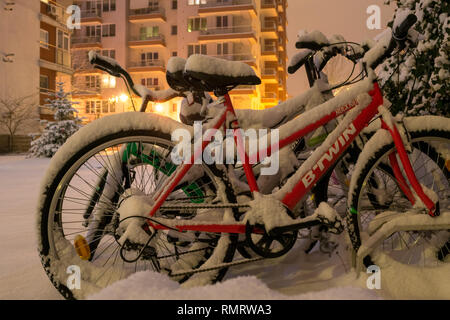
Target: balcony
146, 66
281, 4
54, 14
85, 91
228, 33
269, 75
269, 52
143, 41
269, 7
269, 97
224, 6
269, 28
91, 16
56, 59
86, 42
146, 14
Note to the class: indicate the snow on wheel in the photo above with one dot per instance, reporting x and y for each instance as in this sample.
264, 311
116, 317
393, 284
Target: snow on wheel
97, 194
375, 197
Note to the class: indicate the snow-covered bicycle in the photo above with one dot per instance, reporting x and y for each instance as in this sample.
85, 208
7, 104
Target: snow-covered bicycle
185, 220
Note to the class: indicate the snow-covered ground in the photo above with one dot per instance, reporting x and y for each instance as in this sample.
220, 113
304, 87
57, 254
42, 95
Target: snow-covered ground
21, 272
294, 276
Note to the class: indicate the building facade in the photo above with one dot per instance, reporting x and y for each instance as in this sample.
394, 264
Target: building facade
34, 55
143, 34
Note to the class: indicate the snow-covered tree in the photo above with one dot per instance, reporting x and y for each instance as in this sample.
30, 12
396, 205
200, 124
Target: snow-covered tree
56, 132
421, 84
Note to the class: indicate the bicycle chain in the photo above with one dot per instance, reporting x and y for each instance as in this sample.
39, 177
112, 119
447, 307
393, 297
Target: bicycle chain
220, 266
220, 206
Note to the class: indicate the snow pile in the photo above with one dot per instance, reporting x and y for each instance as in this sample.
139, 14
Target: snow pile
212, 65
149, 285
315, 36
401, 281
176, 64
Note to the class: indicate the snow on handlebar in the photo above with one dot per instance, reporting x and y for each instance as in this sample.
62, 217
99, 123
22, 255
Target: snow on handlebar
112, 67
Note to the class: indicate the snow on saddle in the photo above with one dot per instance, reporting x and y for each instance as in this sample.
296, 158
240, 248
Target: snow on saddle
213, 74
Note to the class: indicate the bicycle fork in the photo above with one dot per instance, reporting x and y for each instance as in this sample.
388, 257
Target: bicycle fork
386, 119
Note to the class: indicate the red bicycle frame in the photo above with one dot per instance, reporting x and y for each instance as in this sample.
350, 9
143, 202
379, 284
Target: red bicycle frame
308, 179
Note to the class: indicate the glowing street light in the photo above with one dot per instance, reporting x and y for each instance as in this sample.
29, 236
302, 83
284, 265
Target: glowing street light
123, 97
159, 108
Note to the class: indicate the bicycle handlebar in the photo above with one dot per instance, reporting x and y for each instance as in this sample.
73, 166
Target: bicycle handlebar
299, 59
112, 67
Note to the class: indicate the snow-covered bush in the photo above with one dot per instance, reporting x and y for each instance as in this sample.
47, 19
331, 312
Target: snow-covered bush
422, 81
56, 132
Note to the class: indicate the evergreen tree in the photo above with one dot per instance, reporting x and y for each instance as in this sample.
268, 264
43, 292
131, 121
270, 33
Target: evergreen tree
421, 83
56, 132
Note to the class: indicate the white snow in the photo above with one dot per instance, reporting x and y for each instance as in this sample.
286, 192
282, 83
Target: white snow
314, 36
176, 64
92, 55
150, 285
299, 56
293, 276
156, 96
216, 66
400, 17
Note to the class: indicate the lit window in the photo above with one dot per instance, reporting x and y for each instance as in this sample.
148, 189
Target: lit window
196, 2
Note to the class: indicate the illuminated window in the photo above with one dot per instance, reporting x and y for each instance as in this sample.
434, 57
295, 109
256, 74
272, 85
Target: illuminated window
196, 24
196, 2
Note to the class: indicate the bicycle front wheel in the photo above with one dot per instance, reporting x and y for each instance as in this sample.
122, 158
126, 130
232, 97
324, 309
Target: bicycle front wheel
86, 195
376, 197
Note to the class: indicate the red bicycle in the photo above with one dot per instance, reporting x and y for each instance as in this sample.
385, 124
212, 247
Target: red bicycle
114, 201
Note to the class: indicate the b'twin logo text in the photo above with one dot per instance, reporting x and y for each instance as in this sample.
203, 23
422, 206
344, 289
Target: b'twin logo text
347, 107
329, 156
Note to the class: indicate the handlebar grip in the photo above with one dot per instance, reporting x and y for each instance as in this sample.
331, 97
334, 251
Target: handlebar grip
315, 40
401, 31
106, 64
299, 60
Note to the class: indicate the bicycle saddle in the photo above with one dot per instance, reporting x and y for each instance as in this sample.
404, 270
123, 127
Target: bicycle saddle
213, 74
174, 75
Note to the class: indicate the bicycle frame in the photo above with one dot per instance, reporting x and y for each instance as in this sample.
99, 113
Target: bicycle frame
305, 178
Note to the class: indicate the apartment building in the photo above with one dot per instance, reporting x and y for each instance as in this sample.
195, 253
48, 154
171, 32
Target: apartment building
34, 55
143, 34
54, 51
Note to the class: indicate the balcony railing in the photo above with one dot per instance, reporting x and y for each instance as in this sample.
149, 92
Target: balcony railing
270, 95
91, 13
84, 89
86, 40
146, 63
269, 48
227, 30
268, 3
269, 25
143, 37
225, 3
271, 72
146, 11
236, 57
